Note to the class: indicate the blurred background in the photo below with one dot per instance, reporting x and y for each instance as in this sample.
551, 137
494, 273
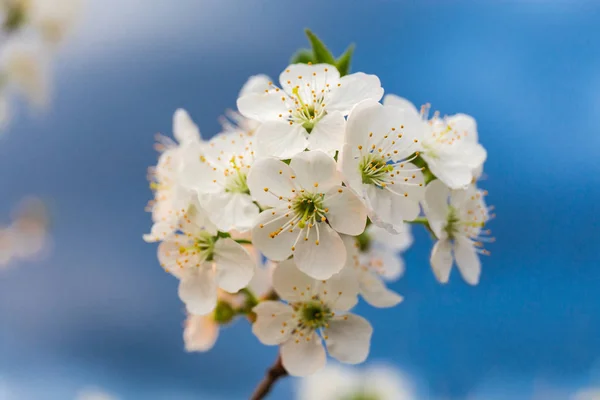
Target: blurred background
98, 311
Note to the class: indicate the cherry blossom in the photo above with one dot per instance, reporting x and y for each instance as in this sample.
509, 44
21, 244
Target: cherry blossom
310, 209
457, 218
308, 110
315, 311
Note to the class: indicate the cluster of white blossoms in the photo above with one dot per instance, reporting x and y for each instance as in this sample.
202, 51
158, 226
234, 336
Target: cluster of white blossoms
26, 237
303, 203
375, 382
32, 31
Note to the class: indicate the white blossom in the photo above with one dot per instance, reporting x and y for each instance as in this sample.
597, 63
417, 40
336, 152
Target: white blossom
54, 19
315, 310
374, 382
308, 111
94, 394
24, 67
449, 145
373, 258
204, 261
171, 198
27, 237
376, 162
202, 331
587, 394
218, 173
457, 218
310, 209
233, 121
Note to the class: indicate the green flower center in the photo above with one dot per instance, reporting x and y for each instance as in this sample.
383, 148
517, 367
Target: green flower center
309, 207
236, 183
204, 245
374, 169
313, 314
307, 113
452, 222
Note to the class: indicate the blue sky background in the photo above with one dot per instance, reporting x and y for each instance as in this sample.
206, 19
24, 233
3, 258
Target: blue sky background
100, 311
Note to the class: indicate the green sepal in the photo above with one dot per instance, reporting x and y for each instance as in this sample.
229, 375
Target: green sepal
345, 60
224, 312
223, 235
364, 241
303, 56
320, 52
421, 163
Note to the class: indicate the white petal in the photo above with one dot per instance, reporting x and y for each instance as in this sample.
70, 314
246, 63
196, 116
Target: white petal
349, 160
276, 248
386, 261
198, 174
322, 260
303, 356
168, 253
273, 322
315, 171
349, 338
352, 251
308, 78
184, 128
198, 289
360, 120
280, 139
387, 124
340, 292
453, 175
390, 209
195, 221
375, 292
200, 333
235, 266
400, 102
347, 213
328, 133
441, 260
333, 382
227, 145
467, 260
230, 211
263, 106
461, 198
399, 241
262, 281
388, 383
474, 155
464, 125
408, 181
256, 84
291, 284
436, 201
159, 231
353, 89
276, 177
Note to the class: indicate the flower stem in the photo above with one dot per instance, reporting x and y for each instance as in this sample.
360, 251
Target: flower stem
243, 241
271, 377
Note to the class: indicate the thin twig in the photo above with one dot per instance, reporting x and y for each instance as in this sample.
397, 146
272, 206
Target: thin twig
273, 374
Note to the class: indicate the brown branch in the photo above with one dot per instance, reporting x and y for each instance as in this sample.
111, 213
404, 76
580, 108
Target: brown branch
273, 374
